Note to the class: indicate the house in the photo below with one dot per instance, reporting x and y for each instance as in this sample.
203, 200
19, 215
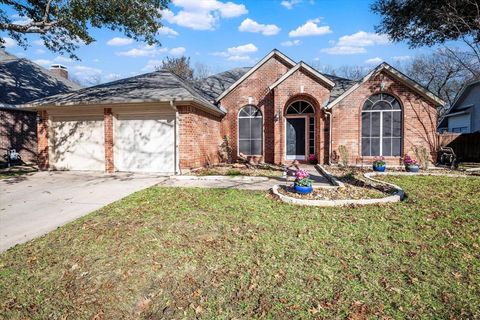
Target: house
22, 81
277, 111
464, 114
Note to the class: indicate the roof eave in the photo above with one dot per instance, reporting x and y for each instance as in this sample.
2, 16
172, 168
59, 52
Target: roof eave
306, 67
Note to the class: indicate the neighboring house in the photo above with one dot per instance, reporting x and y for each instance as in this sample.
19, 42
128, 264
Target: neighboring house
464, 114
277, 111
22, 81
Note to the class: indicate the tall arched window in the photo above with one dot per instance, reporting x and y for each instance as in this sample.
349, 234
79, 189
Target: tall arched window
250, 131
382, 126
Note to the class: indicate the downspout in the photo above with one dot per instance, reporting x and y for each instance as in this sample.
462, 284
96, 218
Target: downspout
177, 137
329, 113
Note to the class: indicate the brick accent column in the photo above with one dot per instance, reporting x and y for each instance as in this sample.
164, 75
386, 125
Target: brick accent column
108, 127
42, 136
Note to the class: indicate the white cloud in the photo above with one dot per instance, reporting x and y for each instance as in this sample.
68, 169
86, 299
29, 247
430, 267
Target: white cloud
112, 77
38, 42
249, 25
291, 43
61, 59
401, 58
310, 28
376, 60
177, 51
166, 31
117, 41
356, 43
239, 53
96, 60
17, 19
144, 51
290, 3
40, 51
43, 62
9, 43
344, 50
203, 14
242, 50
152, 65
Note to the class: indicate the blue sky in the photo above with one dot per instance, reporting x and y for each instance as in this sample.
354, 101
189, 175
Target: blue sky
228, 34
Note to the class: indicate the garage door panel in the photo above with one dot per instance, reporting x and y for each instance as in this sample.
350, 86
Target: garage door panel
145, 143
77, 144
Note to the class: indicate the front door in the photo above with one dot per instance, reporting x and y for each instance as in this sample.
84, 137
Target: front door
295, 138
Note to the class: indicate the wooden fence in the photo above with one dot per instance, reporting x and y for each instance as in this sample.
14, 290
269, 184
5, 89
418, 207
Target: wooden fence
465, 145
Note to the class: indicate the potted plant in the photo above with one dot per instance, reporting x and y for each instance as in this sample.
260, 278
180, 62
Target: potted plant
379, 164
411, 165
302, 184
312, 159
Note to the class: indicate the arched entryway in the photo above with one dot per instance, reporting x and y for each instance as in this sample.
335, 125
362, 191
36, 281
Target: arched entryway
300, 127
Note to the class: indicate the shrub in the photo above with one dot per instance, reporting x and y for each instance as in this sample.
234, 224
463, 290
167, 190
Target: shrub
422, 154
343, 155
225, 150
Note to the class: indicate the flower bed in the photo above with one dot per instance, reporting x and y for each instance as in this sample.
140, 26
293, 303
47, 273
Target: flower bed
237, 170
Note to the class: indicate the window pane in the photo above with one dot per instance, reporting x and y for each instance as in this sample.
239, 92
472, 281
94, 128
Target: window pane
256, 132
243, 112
366, 124
387, 124
244, 128
366, 147
387, 147
375, 97
382, 105
256, 147
396, 146
375, 124
397, 124
396, 105
244, 147
375, 146
368, 105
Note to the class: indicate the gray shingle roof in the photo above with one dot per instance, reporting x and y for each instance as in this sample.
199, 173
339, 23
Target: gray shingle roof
341, 85
22, 81
158, 86
215, 85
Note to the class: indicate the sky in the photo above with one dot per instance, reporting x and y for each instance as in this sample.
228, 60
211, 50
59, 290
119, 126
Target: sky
228, 34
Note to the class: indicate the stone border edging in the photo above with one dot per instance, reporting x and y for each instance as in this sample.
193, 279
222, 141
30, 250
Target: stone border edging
397, 196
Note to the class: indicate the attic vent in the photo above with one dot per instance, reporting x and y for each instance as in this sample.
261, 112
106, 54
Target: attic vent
59, 70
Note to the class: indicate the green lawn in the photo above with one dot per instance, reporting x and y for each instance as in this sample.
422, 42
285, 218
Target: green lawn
229, 254
16, 173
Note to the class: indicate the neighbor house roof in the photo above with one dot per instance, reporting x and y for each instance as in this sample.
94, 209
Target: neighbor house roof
158, 86
213, 86
397, 75
273, 53
22, 80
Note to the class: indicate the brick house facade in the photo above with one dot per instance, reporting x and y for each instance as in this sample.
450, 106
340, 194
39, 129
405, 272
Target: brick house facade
258, 88
276, 112
18, 130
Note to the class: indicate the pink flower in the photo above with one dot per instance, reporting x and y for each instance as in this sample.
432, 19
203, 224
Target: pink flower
301, 174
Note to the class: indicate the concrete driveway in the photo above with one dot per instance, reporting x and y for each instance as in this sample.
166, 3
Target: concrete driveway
32, 205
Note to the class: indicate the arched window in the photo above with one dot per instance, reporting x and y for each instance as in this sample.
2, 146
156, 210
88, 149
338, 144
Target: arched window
300, 107
382, 126
250, 131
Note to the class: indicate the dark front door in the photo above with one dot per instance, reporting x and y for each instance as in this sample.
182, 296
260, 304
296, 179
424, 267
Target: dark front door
296, 138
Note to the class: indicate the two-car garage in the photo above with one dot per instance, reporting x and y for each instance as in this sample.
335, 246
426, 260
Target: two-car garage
141, 142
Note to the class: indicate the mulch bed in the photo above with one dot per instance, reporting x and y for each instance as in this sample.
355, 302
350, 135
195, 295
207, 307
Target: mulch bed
238, 170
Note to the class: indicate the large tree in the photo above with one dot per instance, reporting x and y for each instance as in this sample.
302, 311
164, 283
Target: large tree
64, 24
179, 66
427, 22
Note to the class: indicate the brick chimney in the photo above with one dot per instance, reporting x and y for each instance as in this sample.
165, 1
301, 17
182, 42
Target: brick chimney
59, 70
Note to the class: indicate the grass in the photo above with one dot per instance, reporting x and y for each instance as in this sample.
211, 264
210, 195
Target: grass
224, 254
12, 174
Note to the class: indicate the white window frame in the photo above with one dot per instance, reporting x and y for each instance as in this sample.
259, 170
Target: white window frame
238, 130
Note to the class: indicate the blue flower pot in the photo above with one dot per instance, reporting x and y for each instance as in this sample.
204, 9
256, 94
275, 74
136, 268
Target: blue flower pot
413, 168
379, 168
303, 190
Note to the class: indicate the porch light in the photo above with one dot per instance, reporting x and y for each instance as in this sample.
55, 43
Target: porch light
276, 117
382, 86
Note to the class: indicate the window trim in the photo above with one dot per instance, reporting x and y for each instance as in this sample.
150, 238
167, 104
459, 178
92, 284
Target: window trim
262, 131
381, 137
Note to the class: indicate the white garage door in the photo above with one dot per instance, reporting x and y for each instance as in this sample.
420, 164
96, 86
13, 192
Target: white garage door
77, 143
145, 143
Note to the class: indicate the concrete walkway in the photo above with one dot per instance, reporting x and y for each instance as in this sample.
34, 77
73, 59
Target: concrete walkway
318, 179
34, 204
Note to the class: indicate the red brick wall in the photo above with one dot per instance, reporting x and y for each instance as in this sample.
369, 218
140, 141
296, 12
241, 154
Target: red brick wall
419, 119
18, 130
257, 87
200, 137
42, 136
108, 127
